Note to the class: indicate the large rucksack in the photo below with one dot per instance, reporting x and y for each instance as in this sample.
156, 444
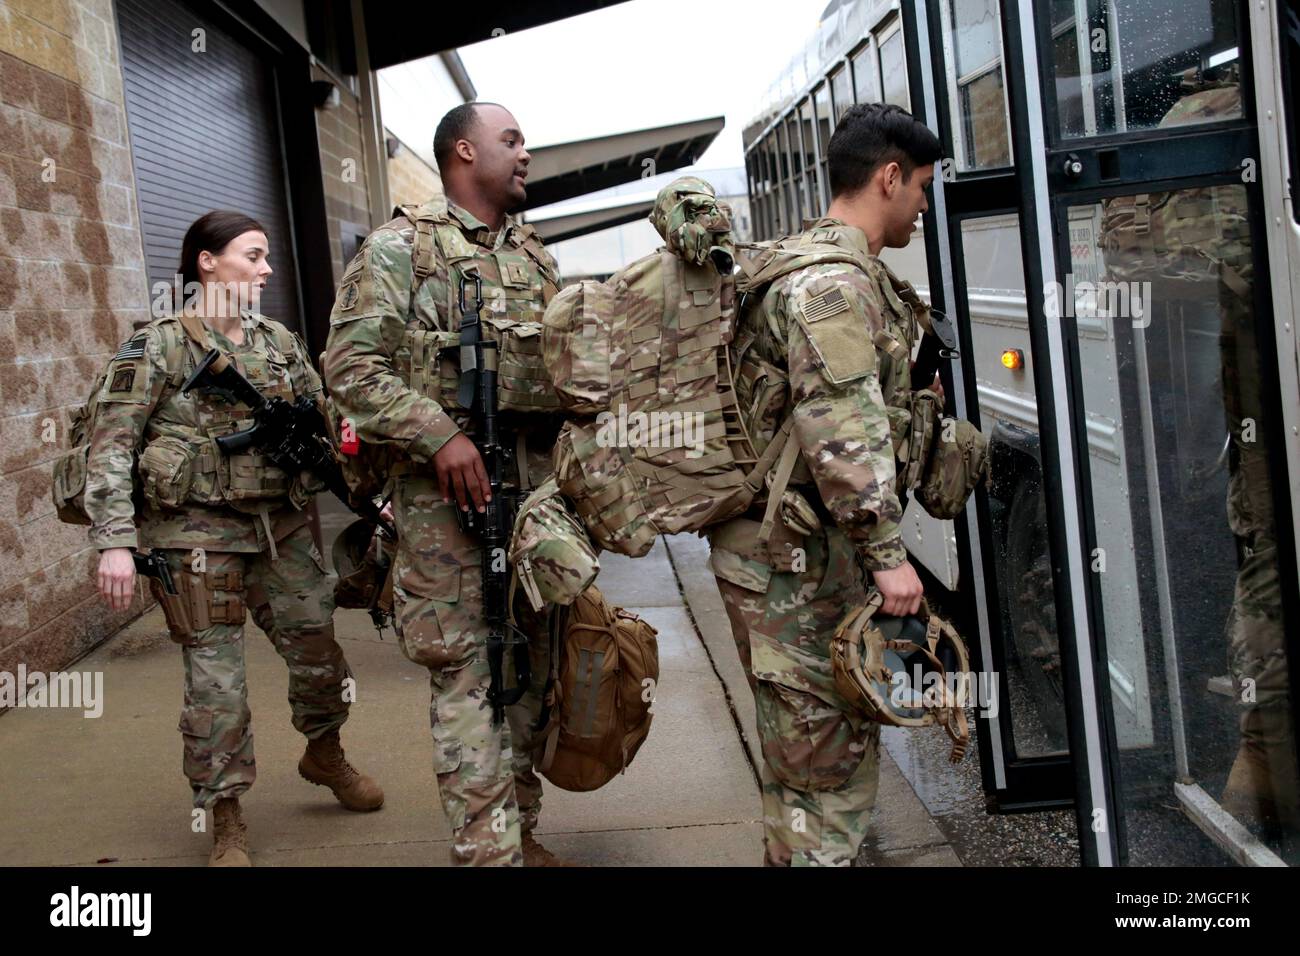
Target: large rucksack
659, 443
599, 697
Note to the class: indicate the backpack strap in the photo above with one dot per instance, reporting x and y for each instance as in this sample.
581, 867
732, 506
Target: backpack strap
198, 334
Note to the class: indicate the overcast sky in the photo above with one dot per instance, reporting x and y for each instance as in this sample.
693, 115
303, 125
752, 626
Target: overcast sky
644, 63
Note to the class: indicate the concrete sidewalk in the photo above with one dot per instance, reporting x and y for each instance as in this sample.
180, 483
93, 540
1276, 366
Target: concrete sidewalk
80, 791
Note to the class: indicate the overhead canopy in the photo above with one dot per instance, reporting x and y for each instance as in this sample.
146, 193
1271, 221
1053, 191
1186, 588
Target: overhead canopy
566, 170
568, 223
397, 33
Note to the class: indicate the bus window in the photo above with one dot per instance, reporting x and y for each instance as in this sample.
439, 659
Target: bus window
866, 86
822, 99
841, 92
812, 190
983, 139
893, 69
1116, 72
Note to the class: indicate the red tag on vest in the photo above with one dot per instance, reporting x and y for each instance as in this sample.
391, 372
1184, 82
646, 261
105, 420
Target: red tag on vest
349, 444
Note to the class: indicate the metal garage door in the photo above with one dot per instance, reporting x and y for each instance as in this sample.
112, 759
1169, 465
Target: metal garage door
205, 134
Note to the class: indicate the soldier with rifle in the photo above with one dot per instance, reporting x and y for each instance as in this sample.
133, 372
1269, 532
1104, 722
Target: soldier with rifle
434, 361
227, 463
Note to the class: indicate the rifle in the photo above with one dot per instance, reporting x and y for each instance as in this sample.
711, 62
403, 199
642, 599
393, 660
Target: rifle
154, 565
938, 344
478, 389
291, 434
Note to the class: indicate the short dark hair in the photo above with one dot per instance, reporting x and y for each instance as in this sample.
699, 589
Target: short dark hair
868, 136
455, 125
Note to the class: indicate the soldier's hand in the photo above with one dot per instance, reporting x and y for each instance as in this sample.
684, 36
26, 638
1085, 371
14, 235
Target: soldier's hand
901, 589
461, 473
117, 577
937, 387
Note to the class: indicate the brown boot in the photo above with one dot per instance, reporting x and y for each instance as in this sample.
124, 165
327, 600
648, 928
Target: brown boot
537, 855
229, 835
1261, 787
324, 763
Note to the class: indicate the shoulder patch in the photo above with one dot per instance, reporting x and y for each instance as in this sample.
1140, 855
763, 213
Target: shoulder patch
825, 305
348, 296
131, 349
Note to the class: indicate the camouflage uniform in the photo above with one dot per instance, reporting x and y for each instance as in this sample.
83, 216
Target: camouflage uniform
386, 376
837, 330
233, 531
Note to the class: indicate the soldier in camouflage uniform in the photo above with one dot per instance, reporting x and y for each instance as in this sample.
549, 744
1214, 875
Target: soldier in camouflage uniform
843, 337
233, 529
1194, 246
393, 376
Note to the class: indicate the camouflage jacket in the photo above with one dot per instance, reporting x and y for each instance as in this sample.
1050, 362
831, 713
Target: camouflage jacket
377, 320
826, 325
141, 409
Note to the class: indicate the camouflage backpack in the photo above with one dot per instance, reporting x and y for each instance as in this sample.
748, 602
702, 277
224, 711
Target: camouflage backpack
68, 487
549, 549
660, 444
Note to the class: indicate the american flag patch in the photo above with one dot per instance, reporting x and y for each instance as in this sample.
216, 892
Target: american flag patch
133, 349
825, 305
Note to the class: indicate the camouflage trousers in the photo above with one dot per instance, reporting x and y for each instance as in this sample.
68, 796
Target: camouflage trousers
489, 791
1256, 635
820, 757
292, 599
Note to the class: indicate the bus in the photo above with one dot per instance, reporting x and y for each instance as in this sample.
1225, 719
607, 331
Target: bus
1112, 229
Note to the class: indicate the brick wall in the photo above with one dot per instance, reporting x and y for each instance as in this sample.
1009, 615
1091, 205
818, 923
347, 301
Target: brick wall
72, 285
339, 130
410, 178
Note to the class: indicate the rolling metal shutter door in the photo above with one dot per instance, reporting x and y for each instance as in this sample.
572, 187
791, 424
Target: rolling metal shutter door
205, 135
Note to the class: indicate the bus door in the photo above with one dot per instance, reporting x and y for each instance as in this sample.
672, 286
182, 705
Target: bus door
1167, 492
1007, 607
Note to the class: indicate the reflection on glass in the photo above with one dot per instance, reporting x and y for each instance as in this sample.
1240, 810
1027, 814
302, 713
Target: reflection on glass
866, 86
1193, 612
1008, 408
893, 70
1123, 65
811, 189
842, 93
976, 78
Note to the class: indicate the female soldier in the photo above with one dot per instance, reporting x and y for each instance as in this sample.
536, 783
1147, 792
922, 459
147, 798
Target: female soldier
231, 526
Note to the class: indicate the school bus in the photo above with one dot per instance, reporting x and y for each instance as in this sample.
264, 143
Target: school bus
1113, 231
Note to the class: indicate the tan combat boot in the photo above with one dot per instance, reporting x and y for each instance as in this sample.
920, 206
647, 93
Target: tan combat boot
229, 835
1261, 785
324, 763
537, 855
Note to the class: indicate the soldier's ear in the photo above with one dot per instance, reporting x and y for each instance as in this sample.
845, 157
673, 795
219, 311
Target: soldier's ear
465, 150
207, 262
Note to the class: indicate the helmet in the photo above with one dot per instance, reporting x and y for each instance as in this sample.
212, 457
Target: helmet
900, 671
362, 568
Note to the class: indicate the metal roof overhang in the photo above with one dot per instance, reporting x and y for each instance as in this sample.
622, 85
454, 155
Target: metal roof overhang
570, 225
398, 32
566, 170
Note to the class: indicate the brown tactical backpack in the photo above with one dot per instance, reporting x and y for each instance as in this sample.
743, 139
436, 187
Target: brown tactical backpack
599, 695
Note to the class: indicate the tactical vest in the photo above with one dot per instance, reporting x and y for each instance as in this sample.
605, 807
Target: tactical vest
517, 284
